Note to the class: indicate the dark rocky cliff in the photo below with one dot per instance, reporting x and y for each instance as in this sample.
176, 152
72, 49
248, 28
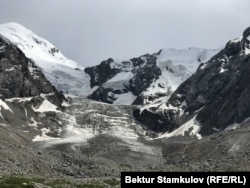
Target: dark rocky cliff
23, 89
143, 69
218, 94
20, 77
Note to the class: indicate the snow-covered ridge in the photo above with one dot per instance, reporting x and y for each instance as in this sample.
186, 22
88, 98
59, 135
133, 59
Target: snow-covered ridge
175, 67
63, 73
34, 46
66, 75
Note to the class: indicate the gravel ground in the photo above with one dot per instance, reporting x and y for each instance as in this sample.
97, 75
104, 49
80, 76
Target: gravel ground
104, 156
102, 159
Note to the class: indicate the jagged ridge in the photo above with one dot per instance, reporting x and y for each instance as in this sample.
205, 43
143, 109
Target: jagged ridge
146, 79
217, 95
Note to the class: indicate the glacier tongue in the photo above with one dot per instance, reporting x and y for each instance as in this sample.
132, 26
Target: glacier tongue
85, 120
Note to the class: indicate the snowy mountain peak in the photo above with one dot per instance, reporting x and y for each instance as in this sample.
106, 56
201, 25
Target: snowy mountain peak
65, 74
241, 44
139, 80
213, 99
246, 33
34, 46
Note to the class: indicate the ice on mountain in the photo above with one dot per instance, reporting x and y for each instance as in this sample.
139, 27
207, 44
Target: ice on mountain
125, 99
46, 56
4, 105
46, 106
191, 127
222, 70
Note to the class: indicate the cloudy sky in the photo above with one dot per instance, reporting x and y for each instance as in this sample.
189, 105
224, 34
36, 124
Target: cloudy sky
89, 31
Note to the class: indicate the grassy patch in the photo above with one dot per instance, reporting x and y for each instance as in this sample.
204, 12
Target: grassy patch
90, 186
16, 182
112, 182
21, 182
58, 183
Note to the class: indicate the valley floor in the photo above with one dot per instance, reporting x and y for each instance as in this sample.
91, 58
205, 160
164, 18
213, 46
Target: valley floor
104, 157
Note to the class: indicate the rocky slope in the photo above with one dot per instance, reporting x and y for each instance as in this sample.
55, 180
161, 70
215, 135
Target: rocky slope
105, 157
216, 97
23, 87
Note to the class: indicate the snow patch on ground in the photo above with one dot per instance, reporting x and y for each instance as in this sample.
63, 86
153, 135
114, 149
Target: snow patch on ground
247, 51
34, 123
192, 126
236, 125
46, 106
43, 95
203, 66
11, 69
121, 76
2, 48
125, 99
222, 70
17, 99
65, 104
4, 105
232, 126
43, 136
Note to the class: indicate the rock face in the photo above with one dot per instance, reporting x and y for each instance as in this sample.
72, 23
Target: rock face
101, 73
217, 95
25, 94
66, 75
19, 77
145, 79
143, 71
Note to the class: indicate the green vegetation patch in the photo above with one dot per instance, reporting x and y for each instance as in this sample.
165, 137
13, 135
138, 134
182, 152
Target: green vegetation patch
16, 182
112, 182
22, 182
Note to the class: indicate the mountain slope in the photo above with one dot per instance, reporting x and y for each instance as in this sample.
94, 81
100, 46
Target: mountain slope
141, 80
62, 72
146, 79
30, 105
34, 114
24, 90
214, 98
